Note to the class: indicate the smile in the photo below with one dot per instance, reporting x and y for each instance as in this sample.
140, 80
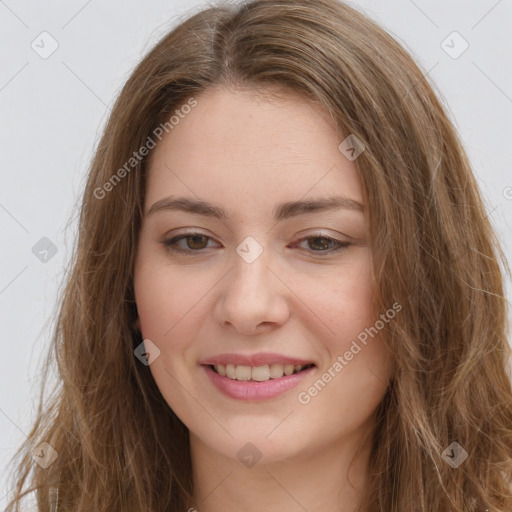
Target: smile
258, 373
258, 382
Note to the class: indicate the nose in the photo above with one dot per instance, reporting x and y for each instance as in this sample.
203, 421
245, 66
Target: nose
253, 298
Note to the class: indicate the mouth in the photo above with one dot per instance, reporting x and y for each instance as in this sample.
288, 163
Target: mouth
261, 373
262, 382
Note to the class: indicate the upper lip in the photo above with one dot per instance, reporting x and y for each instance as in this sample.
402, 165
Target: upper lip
260, 359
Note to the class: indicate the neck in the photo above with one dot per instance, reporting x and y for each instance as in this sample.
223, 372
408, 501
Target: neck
317, 481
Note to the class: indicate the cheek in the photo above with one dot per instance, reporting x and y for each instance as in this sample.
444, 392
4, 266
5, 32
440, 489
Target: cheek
354, 374
343, 303
164, 296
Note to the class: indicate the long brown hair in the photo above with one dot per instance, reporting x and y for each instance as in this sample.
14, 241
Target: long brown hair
119, 445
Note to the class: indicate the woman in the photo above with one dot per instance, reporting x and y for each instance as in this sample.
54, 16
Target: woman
286, 294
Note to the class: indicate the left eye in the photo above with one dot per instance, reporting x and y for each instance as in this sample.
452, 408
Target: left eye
323, 242
196, 242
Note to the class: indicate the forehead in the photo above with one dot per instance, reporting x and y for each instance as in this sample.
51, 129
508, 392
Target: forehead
245, 150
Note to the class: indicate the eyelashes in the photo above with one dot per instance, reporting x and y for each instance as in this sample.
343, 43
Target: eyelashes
195, 239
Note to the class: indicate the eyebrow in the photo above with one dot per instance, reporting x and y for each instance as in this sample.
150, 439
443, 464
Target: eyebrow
281, 212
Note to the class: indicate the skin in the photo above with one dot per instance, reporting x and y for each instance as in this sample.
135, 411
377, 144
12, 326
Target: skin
247, 153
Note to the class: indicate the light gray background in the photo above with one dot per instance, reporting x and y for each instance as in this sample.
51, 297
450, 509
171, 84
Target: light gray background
53, 110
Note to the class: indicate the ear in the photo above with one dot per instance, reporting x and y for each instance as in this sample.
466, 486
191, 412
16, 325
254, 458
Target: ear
137, 324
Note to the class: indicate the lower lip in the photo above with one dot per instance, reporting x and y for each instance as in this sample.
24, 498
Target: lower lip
253, 390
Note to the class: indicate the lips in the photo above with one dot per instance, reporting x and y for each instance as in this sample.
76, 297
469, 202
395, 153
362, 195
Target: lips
255, 376
253, 389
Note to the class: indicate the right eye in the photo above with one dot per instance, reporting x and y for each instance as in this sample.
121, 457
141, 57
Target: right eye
195, 242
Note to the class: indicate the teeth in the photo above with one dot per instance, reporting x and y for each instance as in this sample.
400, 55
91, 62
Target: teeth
260, 373
257, 373
243, 372
230, 371
276, 371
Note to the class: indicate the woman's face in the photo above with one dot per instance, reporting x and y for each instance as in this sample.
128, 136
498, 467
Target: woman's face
240, 272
